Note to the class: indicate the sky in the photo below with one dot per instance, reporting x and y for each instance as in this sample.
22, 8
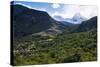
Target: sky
62, 10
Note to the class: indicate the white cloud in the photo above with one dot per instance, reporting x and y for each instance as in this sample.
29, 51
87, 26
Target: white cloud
41, 9
55, 5
88, 11
68, 11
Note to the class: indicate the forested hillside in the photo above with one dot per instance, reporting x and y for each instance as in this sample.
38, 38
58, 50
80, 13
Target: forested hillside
68, 43
64, 48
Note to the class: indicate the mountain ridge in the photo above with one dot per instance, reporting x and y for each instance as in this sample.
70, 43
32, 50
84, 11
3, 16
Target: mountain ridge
88, 25
38, 21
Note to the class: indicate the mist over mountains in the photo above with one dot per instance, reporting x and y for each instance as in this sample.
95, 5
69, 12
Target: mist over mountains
76, 19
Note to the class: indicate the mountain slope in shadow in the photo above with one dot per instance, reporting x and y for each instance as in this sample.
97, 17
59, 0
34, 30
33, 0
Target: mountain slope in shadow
30, 21
87, 25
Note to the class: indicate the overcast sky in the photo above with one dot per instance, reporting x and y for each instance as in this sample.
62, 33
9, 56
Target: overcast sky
63, 10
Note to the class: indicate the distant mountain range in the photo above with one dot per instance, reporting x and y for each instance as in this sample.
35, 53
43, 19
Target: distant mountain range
76, 19
29, 22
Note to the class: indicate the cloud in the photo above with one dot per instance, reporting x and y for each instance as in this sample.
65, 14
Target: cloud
57, 13
88, 11
68, 11
40, 9
55, 5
